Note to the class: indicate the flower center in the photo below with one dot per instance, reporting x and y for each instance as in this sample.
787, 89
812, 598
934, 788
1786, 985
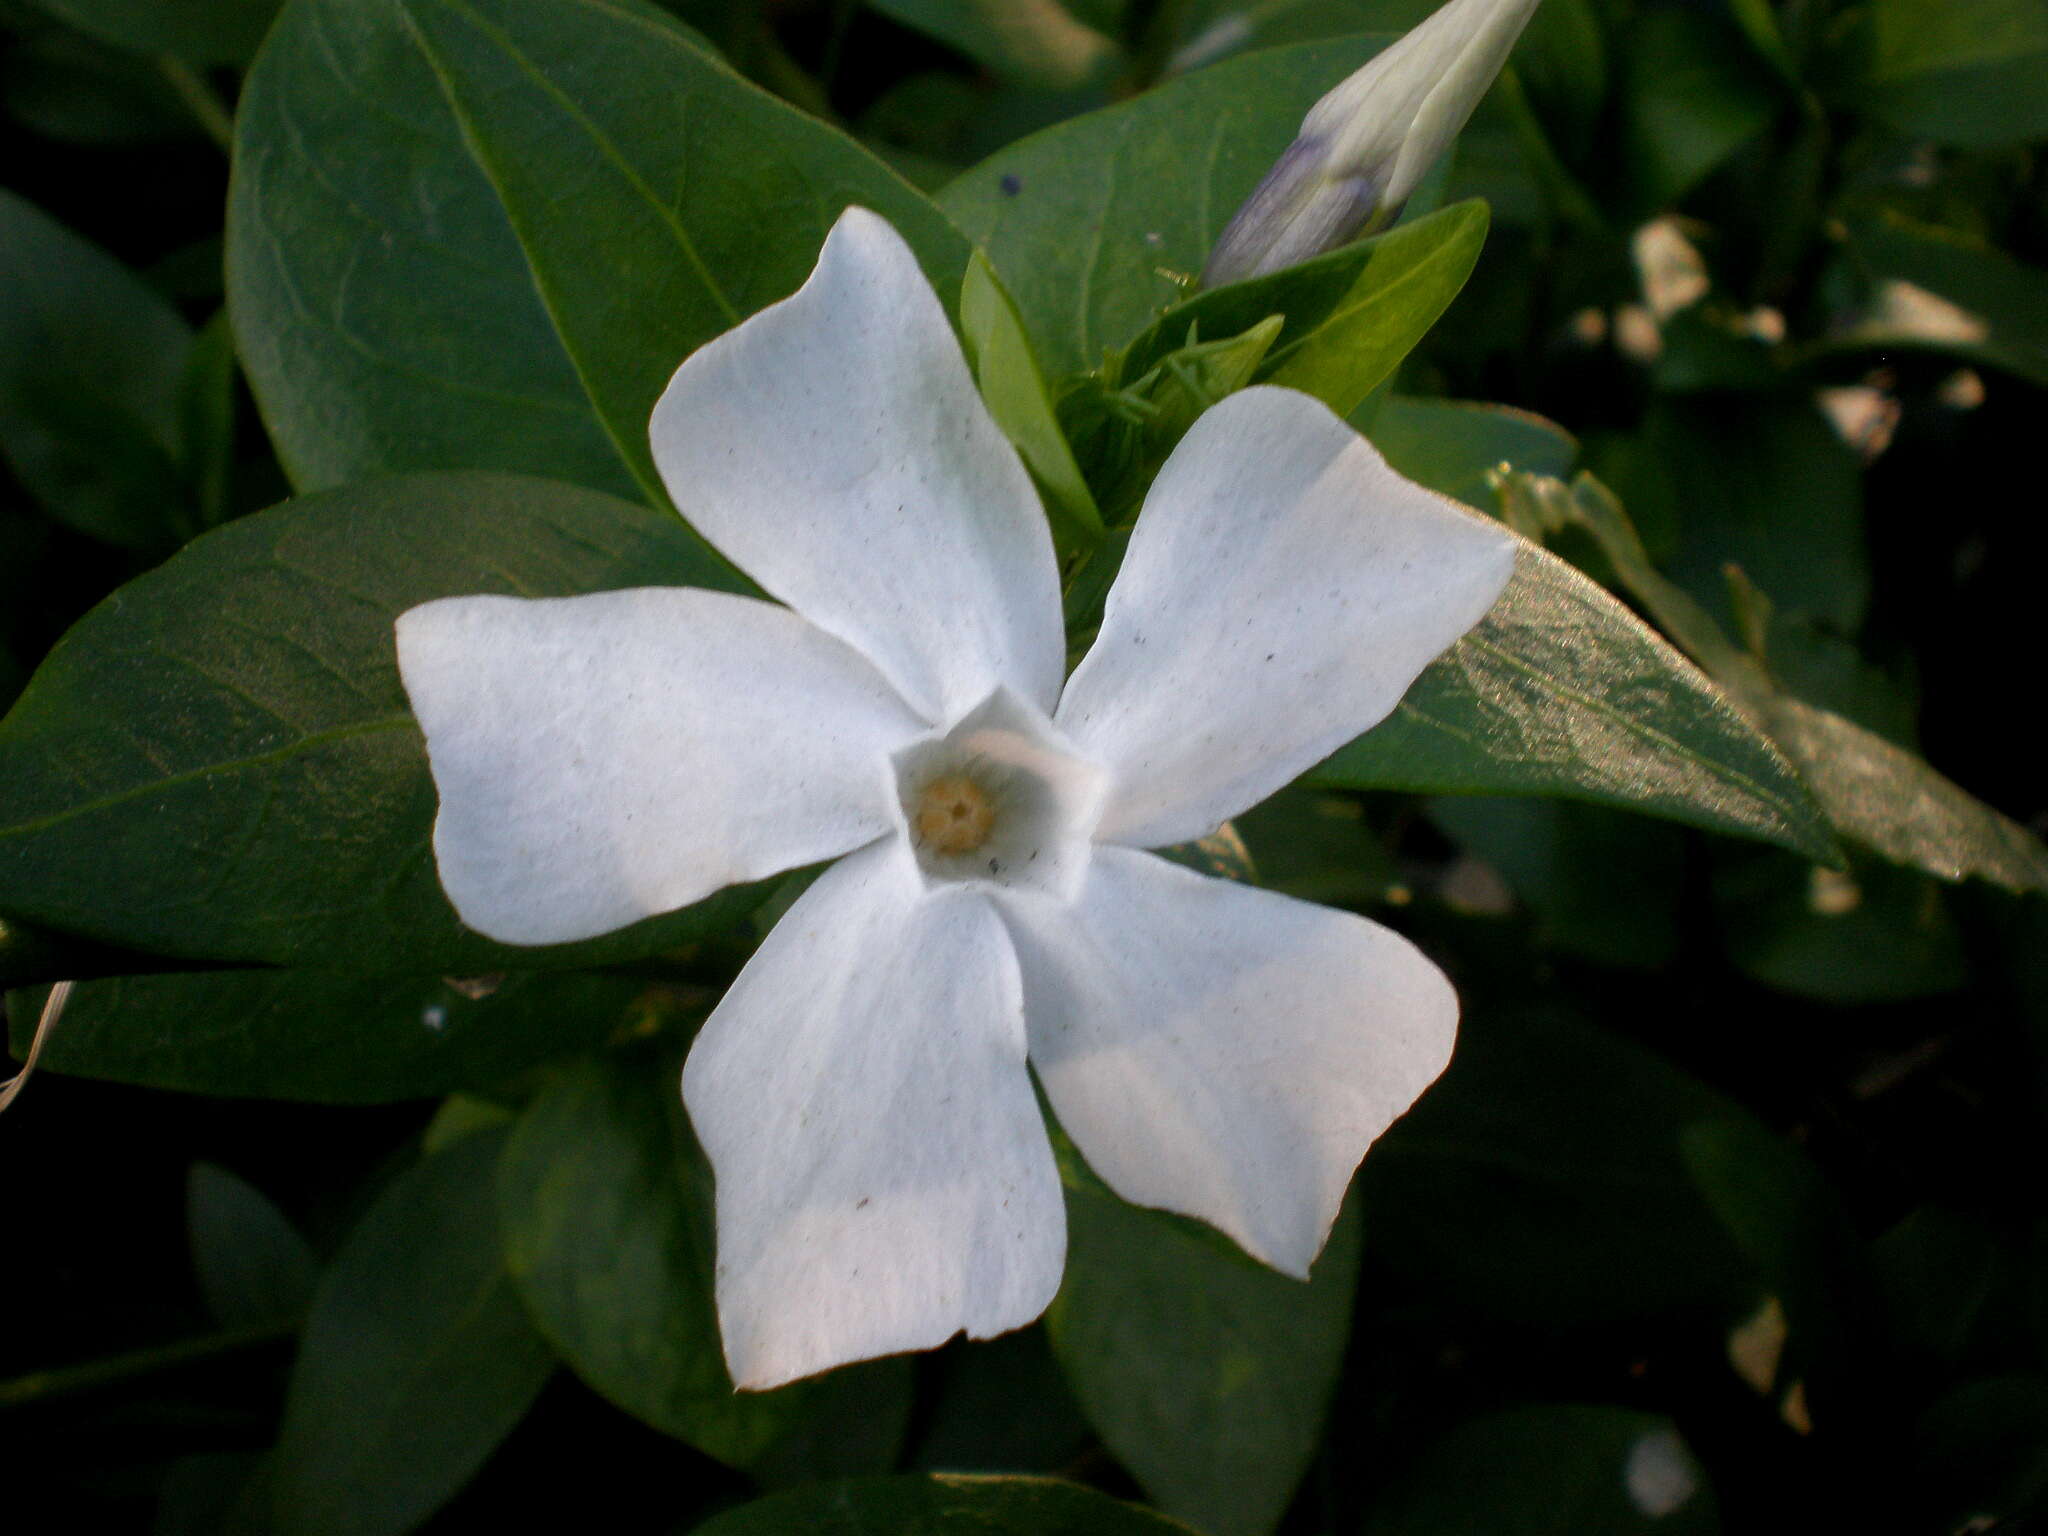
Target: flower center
1000, 798
953, 815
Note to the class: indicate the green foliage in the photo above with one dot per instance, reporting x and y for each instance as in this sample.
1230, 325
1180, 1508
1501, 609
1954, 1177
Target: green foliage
941, 1506
329, 1037
1097, 225
536, 339
1565, 1470
1722, 822
91, 367
1206, 1374
417, 1358
606, 1205
220, 762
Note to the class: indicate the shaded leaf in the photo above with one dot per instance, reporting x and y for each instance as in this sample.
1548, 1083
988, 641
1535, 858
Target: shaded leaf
197, 31
1453, 446
417, 1359
1542, 1179
253, 1266
1962, 71
219, 761
324, 1036
606, 1205
91, 364
483, 233
941, 1505
1206, 1373
1565, 1470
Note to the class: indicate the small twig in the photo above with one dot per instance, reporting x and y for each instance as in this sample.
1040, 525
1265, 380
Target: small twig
199, 98
53, 1010
65, 1380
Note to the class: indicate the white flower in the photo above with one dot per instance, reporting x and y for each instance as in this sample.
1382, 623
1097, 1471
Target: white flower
1366, 145
883, 1176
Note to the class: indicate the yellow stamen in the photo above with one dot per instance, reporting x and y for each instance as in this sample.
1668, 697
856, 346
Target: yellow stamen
953, 815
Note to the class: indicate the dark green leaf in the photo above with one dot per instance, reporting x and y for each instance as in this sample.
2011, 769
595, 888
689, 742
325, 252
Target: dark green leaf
91, 363
1693, 93
1001, 1405
1981, 1455
417, 1360
1869, 934
1041, 44
1765, 482
323, 1036
197, 31
1541, 1179
1602, 884
2004, 301
1568, 1470
1099, 224
1962, 71
483, 233
606, 1204
219, 762
1791, 1224
940, 1505
254, 1268
1206, 1373
1452, 446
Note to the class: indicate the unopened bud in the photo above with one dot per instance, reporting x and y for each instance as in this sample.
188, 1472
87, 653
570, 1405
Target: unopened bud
1365, 146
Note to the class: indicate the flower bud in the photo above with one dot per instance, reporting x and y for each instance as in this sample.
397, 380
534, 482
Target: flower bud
1363, 148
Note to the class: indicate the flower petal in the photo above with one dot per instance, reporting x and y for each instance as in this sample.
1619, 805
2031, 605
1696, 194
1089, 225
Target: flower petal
1283, 588
604, 758
1222, 1051
884, 1179
834, 447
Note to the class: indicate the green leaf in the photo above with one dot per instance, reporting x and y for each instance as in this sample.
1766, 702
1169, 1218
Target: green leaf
1351, 316
1792, 1226
219, 761
1207, 1374
1601, 884
1541, 1180
1561, 690
1765, 482
2005, 302
1040, 44
1870, 934
1893, 801
254, 1268
91, 364
417, 1359
1014, 390
1872, 791
941, 1505
1693, 94
483, 233
1961, 71
1564, 1470
606, 1207
325, 1037
1452, 446
197, 31
1100, 223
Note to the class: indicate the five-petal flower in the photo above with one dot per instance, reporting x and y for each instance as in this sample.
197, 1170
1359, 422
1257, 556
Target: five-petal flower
884, 1178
